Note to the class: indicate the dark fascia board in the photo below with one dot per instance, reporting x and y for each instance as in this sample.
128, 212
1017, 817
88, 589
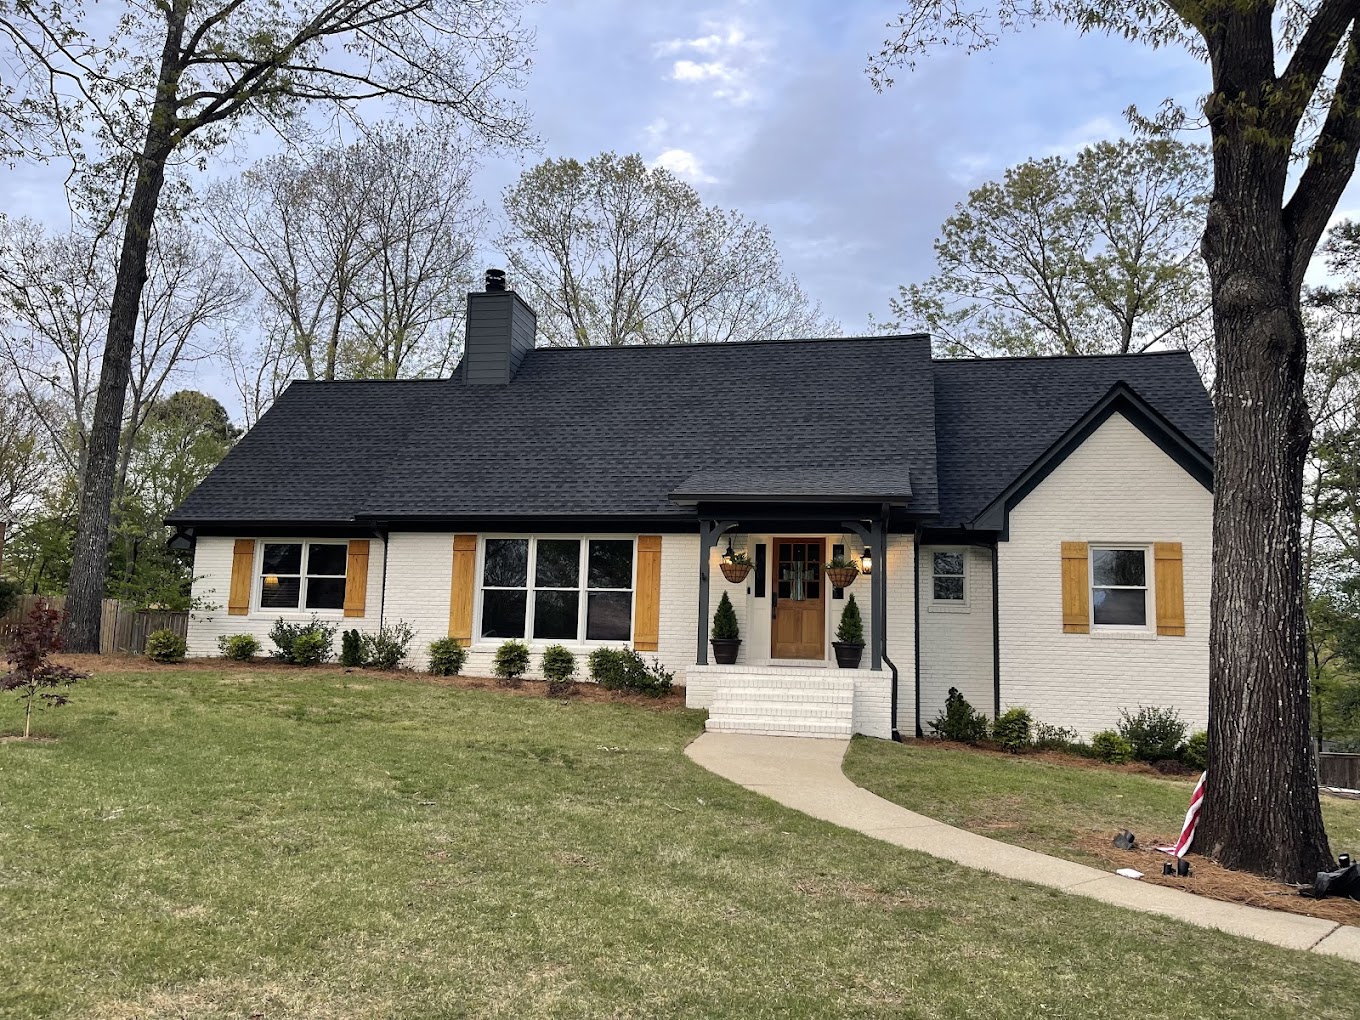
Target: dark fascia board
1121, 399
263, 529
897, 499
958, 536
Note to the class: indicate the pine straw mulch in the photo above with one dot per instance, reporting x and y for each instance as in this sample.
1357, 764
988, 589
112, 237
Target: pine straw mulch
584, 692
1161, 769
1208, 878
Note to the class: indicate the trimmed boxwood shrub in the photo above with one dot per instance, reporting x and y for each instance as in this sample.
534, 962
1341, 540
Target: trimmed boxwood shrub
1196, 751
1154, 734
303, 644
959, 720
238, 647
1012, 729
351, 649
165, 645
1111, 748
511, 663
447, 657
559, 669
622, 669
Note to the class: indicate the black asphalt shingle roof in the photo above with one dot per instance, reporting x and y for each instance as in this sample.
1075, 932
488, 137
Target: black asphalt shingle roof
580, 432
616, 431
995, 417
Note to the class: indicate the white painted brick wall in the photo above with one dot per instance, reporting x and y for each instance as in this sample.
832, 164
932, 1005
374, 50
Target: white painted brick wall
901, 646
956, 641
1117, 487
212, 582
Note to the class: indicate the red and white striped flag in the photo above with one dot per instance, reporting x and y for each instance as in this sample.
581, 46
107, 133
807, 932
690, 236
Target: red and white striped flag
1191, 820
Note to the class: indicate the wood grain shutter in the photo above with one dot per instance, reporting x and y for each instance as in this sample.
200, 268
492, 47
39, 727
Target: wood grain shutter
356, 577
242, 574
1076, 589
462, 589
647, 597
1169, 575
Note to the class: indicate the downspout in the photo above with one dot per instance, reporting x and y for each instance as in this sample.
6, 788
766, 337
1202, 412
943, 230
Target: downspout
381, 536
996, 631
916, 619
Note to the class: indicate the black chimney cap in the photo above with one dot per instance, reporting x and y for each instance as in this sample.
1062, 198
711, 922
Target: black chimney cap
495, 279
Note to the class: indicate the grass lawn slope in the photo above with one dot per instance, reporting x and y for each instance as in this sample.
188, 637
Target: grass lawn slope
228, 843
1072, 810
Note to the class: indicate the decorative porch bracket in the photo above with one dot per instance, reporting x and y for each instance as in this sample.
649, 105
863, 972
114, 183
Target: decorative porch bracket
709, 533
875, 538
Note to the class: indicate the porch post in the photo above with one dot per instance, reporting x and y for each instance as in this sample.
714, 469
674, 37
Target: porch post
874, 538
709, 533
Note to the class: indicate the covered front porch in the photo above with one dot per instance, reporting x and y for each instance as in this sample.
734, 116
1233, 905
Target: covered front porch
785, 678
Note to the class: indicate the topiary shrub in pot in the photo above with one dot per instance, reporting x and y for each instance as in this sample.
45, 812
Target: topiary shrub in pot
849, 643
511, 663
726, 639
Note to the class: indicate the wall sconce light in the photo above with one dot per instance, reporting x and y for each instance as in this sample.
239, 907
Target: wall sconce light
866, 562
271, 580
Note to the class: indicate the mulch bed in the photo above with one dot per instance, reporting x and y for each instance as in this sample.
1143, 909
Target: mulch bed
1207, 878
586, 692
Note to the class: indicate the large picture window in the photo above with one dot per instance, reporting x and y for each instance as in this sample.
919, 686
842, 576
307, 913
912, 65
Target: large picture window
1119, 587
303, 575
557, 589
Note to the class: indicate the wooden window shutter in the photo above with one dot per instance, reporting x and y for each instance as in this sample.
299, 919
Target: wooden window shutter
242, 574
1076, 589
1170, 579
356, 577
647, 598
462, 588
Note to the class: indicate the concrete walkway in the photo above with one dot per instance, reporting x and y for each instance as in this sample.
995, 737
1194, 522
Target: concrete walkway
805, 774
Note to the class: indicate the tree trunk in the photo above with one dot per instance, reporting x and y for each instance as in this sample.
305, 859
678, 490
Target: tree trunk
1261, 809
89, 563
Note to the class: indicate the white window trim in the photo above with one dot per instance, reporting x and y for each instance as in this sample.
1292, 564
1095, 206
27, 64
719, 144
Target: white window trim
963, 605
258, 610
480, 643
1133, 631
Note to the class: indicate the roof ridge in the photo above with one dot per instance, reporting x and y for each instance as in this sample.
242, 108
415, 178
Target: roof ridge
1060, 357
733, 343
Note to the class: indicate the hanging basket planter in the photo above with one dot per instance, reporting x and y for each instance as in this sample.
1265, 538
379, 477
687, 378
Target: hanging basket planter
842, 577
735, 572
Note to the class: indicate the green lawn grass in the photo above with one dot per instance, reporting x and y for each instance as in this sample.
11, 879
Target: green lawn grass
222, 844
1039, 804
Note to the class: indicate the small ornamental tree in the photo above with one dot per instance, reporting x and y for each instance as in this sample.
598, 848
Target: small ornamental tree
31, 675
725, 621
851, 628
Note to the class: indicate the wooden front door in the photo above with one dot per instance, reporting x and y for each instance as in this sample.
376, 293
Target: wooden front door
798, 630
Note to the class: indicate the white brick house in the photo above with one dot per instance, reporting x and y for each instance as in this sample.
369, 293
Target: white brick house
1033, 532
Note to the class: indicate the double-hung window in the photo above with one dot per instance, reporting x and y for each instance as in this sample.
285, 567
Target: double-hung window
949, 577
303, 575
557, 589
1119, 588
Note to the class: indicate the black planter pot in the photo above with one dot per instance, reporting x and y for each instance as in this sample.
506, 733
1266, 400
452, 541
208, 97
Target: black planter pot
847, 655
725, 650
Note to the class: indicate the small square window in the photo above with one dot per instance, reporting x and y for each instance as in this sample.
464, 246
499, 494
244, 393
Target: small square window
949, 576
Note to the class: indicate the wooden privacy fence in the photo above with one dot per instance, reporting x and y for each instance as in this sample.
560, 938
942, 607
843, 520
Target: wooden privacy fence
1341, 770
122, 628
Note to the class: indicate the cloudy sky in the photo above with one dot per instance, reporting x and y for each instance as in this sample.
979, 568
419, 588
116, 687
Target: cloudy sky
764, 105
